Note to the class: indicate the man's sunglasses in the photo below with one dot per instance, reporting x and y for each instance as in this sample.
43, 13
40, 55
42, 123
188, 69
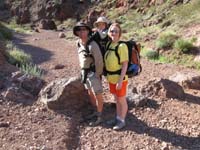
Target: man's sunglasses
81, 29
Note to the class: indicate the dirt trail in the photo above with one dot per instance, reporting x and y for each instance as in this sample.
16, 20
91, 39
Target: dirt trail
172, 124
48, 50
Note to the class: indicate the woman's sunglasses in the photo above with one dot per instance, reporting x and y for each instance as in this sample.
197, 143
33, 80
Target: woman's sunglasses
114, 31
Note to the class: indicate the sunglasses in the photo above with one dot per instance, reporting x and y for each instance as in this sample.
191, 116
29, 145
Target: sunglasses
114, 31
81, 29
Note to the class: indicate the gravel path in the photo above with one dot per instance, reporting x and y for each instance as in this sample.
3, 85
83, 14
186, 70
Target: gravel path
172, 124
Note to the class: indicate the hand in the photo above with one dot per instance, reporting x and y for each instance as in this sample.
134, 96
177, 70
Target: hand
118, 85
83, 76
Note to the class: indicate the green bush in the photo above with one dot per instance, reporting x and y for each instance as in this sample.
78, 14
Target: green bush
5, 32
152, 54
183, 45
18, 57
166, 40
31, 69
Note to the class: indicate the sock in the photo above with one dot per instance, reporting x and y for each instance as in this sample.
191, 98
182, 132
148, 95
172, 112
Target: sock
120, 119
99, 114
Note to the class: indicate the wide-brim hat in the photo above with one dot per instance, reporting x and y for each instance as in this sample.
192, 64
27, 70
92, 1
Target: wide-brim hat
81, 24
101, 19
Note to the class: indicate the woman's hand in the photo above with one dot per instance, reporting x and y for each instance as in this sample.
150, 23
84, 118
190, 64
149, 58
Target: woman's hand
119, 85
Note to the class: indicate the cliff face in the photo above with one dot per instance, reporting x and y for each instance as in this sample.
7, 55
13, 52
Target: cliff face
27, 11
34, 10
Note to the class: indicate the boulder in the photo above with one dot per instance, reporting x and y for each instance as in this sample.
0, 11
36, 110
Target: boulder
188, 80
47, 24
18, 95
136, 100
163, 88
29, 83
64, 94
61, 35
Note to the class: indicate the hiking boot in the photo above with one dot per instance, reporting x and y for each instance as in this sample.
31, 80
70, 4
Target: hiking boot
112, 122
90, 116
119, 125
97, 122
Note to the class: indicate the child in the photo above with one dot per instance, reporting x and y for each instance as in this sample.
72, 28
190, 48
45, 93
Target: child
100, 33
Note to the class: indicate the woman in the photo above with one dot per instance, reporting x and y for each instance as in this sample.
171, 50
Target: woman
116, 74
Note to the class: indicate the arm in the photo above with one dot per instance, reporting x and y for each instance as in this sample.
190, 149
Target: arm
123, 53
122, 75
98, 59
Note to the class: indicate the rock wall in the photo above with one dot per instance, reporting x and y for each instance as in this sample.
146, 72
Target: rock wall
34, 10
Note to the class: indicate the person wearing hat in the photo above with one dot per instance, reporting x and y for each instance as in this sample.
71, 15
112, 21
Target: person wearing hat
91, 63
101, 24
100, 32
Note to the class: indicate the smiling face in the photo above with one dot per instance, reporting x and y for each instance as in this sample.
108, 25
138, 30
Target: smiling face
114, 32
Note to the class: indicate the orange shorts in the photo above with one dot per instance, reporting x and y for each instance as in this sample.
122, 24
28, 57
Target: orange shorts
121, 92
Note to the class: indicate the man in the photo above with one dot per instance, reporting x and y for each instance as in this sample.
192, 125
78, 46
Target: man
91, 63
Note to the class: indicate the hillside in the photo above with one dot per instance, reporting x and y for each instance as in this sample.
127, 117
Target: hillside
163, 123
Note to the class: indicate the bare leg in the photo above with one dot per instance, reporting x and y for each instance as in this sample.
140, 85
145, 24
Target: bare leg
99, 98
122, 106
92, 98
117, 106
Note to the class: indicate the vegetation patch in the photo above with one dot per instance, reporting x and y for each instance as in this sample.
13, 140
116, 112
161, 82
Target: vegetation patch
183, 45
166, 40
16, 56
150, 54
31, 69
25, 28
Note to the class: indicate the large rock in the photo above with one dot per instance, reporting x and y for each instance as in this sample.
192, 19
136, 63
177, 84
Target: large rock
188, 80
163, 88
47, 24
64, 94
136, 100
29, 83
18, 95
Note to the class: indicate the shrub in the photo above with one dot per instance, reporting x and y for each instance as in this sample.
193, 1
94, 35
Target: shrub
183, 45
166, 40
152, 54
18, 57
31, 69
5, 32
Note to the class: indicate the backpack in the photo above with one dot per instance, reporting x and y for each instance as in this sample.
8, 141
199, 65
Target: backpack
100, 42
88, 53
134, 66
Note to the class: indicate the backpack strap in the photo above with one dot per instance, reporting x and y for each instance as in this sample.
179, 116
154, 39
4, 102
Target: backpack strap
117, 55
116, 51
85, 50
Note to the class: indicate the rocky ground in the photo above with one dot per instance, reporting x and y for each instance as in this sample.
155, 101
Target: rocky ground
163, 124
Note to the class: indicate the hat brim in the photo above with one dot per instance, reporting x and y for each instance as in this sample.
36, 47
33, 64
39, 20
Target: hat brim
97, 22
76, 28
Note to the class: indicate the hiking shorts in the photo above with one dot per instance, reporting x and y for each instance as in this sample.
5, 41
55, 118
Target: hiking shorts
121, 92
93, 83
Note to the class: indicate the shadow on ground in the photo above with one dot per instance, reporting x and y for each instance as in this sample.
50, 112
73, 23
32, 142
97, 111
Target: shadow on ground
44, 56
